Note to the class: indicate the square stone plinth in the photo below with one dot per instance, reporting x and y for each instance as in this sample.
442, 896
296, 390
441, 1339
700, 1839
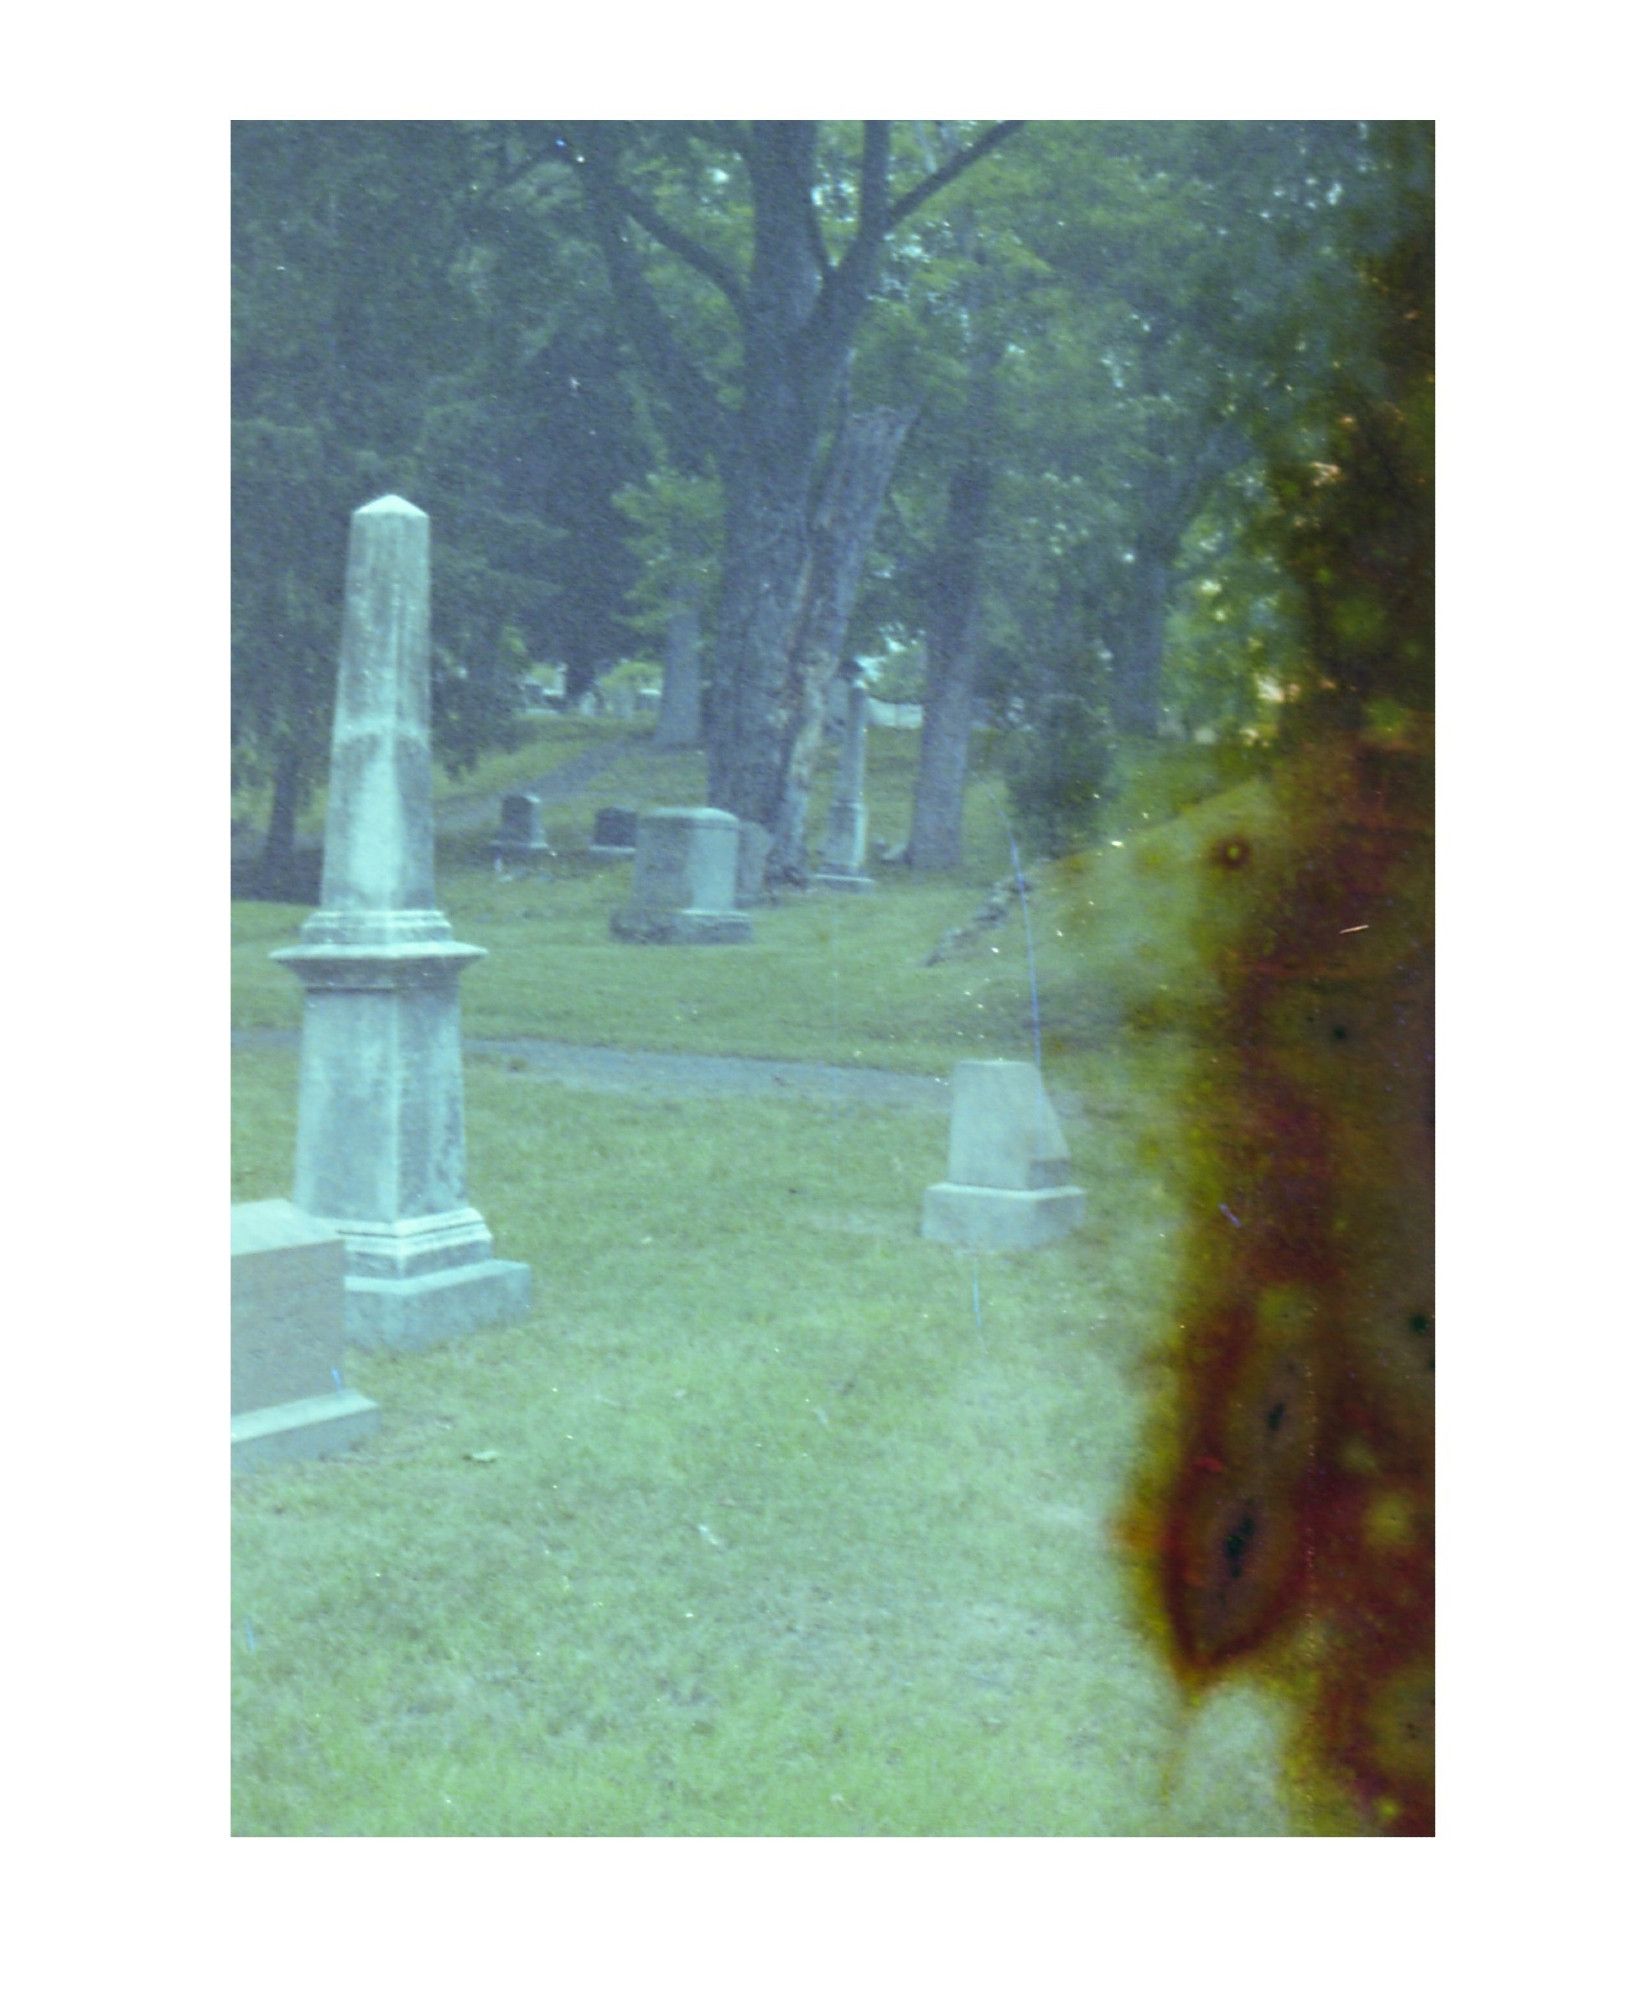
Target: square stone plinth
312, 1427
287, 1332
286, 1305
981, 1218
434, 1306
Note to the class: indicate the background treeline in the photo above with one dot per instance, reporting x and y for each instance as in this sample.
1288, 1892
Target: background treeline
1027, 413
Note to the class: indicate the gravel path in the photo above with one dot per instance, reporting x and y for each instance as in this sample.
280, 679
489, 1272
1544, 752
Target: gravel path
654, 1073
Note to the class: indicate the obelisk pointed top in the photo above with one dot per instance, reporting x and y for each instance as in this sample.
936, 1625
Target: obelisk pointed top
391, 503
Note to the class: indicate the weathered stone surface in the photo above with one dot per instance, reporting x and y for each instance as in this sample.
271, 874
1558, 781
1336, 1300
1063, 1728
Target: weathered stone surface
976, 1218
683, 890
1008, 1184
842, 852
316, 1427
286, 1304
286, 1339
520, 831
381, 1095
1004, 1132
380, 838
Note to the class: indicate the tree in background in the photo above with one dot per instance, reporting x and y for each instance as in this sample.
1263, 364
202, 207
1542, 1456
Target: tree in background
791, 270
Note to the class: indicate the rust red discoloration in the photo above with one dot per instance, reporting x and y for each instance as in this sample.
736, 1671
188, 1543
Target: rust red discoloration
1298, 1499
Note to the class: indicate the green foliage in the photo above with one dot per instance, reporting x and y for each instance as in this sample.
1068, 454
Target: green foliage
1058, 773
675, 532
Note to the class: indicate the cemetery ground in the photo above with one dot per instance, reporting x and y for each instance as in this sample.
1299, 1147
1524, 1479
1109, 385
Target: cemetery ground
772, 1519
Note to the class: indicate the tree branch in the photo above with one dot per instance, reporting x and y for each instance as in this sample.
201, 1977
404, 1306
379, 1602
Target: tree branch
959, 163
705, 262
696, 415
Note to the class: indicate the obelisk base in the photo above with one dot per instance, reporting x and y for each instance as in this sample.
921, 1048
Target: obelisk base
410, 1313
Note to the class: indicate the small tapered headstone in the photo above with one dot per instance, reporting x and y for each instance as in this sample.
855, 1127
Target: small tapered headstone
1008, 1184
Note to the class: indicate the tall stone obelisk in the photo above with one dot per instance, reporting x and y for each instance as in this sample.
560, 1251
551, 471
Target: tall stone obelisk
842, 852
381, 1088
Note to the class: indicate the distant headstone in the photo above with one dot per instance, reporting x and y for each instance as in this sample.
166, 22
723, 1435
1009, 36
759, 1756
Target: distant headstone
614, 836
750, 883
1008, 1181
683, 890
842, 853
381, 1088
286, 1339
520, 831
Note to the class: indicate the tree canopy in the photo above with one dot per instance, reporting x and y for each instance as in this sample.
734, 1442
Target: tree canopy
1002, 393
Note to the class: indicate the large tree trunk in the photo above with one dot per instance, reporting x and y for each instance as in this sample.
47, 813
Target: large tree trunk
798, 309
764, 575
942, 761
844, 521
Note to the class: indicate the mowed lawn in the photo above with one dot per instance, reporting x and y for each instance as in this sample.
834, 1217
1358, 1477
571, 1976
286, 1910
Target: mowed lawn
772, 1519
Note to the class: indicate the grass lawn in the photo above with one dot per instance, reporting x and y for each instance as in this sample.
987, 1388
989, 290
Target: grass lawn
827, 977
779, 1538
773, 1519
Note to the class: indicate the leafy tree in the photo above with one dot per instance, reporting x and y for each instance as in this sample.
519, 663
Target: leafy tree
790, 275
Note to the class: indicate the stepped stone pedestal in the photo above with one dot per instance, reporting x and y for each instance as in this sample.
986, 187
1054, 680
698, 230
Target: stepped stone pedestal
842, 852
286, 1340
1008, 1180
520, 834
381, 1088
685, 886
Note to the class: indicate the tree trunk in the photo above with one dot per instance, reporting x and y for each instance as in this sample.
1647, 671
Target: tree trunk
277, 863
953, 648
844, 521
679, 700
942, 761
764, 577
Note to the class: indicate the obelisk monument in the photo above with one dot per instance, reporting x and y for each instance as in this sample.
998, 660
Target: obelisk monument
381, 1087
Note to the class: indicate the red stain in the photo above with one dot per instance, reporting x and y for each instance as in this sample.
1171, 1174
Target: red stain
1297, 1502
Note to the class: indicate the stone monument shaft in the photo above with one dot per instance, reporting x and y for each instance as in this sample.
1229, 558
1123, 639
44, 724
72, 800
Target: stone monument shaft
842, 852
381, 1092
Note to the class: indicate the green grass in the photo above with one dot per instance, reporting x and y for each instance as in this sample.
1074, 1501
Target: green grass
780, 1538
827, 977
546, 743
777, 1540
